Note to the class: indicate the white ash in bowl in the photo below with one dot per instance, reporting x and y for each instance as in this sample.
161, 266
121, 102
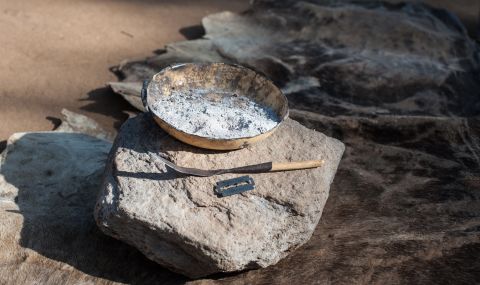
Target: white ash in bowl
215, 114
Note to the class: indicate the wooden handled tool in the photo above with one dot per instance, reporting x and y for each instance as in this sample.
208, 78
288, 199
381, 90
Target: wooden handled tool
295, 165
255, 168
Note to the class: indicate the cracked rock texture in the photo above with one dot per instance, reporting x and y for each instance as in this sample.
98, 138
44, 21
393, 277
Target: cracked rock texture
179, 222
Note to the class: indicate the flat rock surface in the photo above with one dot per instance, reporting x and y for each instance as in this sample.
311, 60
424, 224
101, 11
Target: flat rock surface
178, 220
49, 182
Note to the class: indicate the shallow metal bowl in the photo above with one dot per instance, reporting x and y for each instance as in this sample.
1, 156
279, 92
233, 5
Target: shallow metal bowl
218, 76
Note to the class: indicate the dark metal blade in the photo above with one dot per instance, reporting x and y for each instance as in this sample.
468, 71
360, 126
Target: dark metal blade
234, 186
256, 168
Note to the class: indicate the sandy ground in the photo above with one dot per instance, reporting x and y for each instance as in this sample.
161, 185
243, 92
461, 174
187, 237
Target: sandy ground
56, 53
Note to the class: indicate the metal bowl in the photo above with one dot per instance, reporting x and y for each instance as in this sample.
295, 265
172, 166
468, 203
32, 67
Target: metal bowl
180, 80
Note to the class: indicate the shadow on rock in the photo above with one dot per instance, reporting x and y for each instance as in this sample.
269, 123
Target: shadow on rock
3, 145
104, 101
58, 176
192, 32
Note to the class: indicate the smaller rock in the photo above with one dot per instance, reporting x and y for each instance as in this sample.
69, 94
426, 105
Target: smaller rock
179, 222
130, 91
77, 123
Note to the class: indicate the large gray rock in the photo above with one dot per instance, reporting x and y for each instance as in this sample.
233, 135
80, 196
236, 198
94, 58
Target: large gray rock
49, 183
180, 223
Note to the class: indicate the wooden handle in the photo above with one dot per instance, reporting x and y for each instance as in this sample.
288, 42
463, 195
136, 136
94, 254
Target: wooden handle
282, 166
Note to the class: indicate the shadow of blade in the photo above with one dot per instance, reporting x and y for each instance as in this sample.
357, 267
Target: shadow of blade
58, 176
168, 175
